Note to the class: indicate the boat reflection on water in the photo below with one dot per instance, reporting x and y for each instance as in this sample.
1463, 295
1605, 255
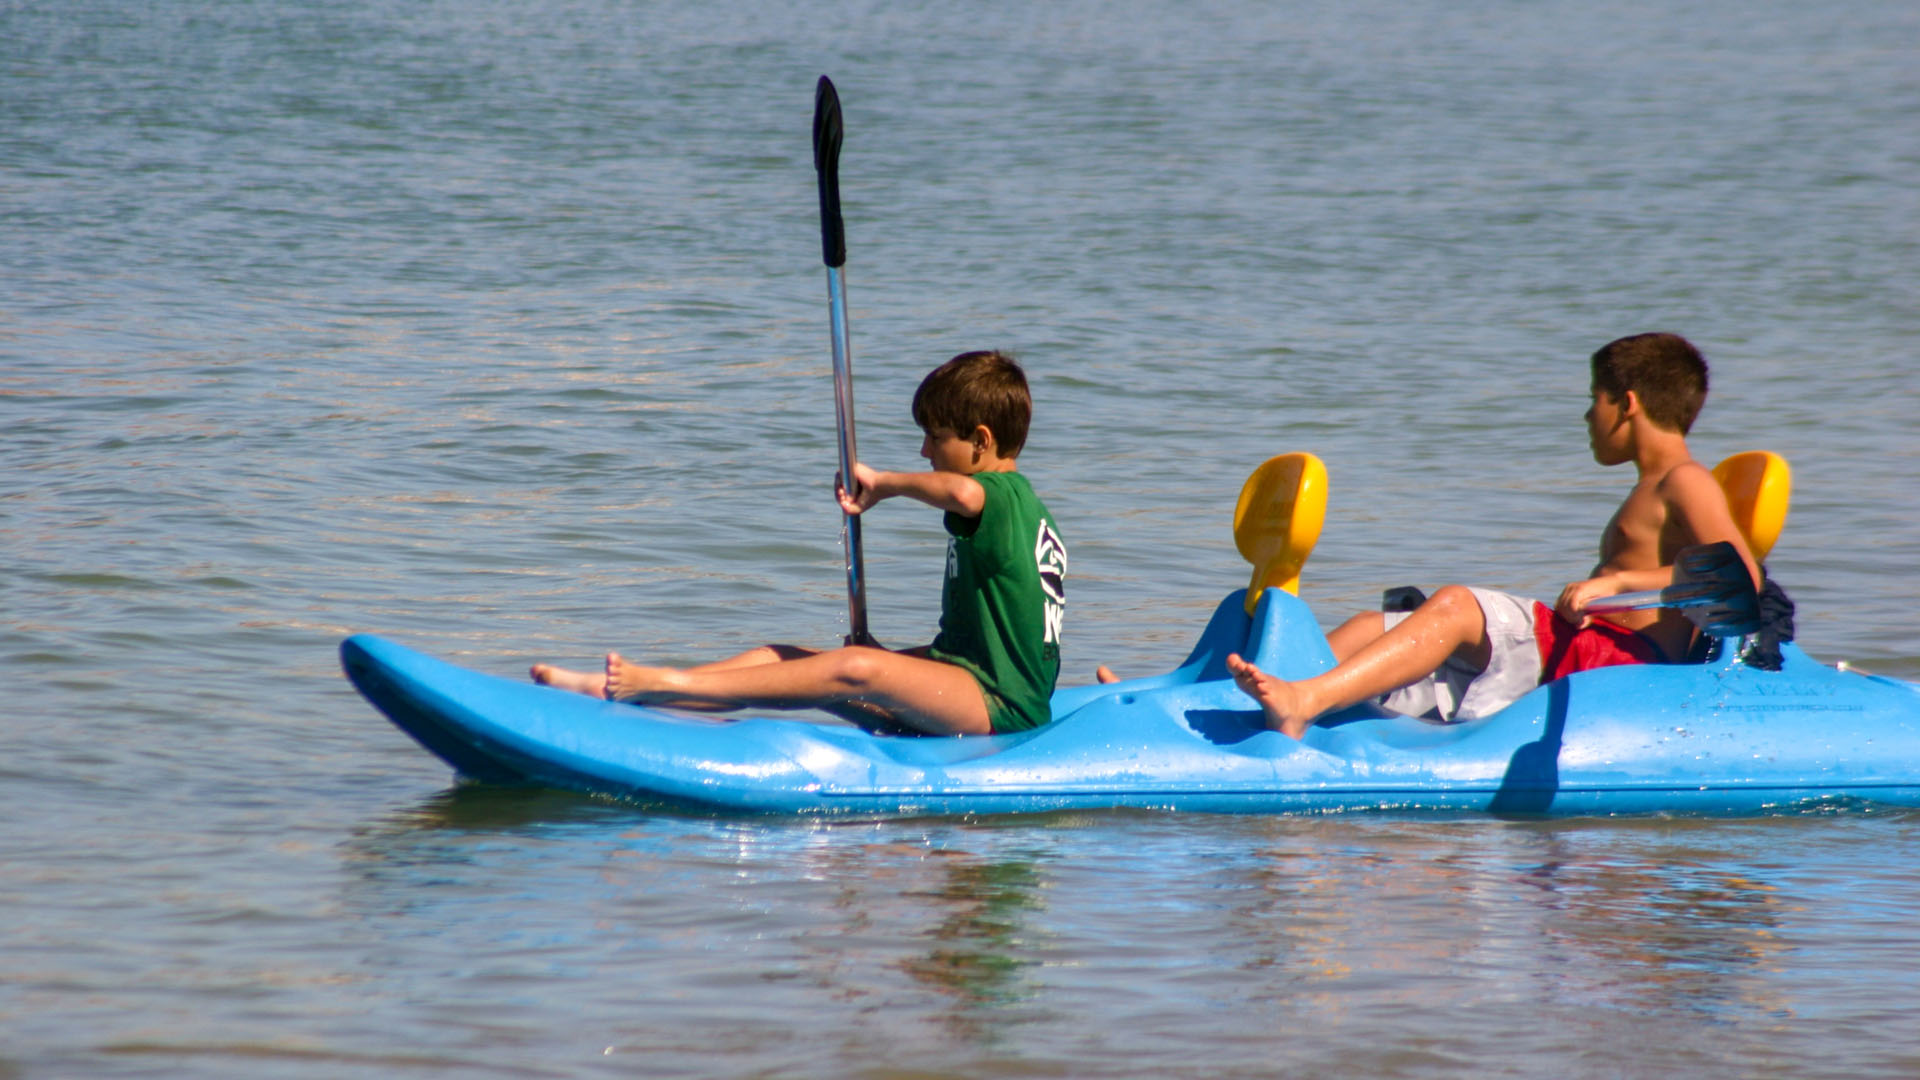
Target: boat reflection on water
1672, 929
954, 921
1128, 940
1637, 916
690, 915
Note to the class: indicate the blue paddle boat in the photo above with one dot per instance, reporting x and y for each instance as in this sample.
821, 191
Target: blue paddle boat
1722, 737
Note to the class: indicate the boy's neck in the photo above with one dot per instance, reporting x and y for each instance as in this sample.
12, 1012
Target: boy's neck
994, 464
1657, 450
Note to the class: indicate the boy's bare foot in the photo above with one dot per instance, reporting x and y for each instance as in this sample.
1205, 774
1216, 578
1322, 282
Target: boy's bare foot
627, 681
1105, 674
1281, 701
579, 682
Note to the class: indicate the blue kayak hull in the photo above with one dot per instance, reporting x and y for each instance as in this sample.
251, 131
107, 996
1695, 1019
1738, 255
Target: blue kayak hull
1719, 738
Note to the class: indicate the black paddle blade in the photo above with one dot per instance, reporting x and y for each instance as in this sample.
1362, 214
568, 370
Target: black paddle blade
827, 134
1712, 587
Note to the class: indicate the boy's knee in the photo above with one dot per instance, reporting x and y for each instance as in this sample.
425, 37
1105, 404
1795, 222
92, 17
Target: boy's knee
856, 668
1454, 600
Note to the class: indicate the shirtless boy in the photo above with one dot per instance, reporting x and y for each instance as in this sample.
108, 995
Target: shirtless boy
992, 667
1467, 652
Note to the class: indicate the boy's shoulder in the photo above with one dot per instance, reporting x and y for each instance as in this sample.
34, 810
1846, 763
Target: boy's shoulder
1017, 484
1689, 480
1012, 482
1695, 508
1011, 492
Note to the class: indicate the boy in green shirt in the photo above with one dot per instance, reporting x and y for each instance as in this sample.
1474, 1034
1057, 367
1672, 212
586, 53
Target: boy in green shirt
992, 668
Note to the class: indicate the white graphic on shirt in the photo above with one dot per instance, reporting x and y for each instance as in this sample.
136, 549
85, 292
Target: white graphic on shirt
1050, 558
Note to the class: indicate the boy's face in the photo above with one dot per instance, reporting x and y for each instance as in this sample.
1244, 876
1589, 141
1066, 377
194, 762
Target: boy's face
948, 451
1607, 428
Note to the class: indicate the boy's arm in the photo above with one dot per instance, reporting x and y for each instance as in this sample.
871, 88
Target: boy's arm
953, 492
1696, 508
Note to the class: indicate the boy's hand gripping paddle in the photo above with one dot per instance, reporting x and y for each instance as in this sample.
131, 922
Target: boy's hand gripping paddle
827, 133
1277, 522
1710, 586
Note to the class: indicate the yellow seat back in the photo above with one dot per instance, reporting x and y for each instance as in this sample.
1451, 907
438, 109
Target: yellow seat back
1277, 522
1758, 486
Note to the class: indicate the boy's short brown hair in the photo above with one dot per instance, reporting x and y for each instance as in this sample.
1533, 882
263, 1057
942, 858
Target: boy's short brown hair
1665, 370
977, 388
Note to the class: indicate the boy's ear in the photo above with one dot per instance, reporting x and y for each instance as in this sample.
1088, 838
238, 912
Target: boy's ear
982, 437
1630, 404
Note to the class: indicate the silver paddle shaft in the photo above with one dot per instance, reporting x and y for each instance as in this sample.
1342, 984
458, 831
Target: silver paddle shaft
843, 410
1642, 601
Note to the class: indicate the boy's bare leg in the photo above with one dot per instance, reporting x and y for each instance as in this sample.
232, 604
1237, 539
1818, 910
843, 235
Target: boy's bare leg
927, 695
764, 654
594, 684
1355, 634
580, 682
1449, 623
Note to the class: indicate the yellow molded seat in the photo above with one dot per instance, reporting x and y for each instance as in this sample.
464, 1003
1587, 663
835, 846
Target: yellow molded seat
1758, 486
1277, 522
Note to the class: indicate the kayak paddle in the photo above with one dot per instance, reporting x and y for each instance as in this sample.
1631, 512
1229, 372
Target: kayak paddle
1277, 521
827, 132
1711, 586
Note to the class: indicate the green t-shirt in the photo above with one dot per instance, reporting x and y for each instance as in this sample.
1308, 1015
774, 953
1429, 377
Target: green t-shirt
1005, 601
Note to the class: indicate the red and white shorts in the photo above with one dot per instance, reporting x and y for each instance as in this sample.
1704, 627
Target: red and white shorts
1529, 645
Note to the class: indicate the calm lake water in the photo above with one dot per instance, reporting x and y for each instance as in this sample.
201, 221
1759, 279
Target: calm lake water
500, 329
